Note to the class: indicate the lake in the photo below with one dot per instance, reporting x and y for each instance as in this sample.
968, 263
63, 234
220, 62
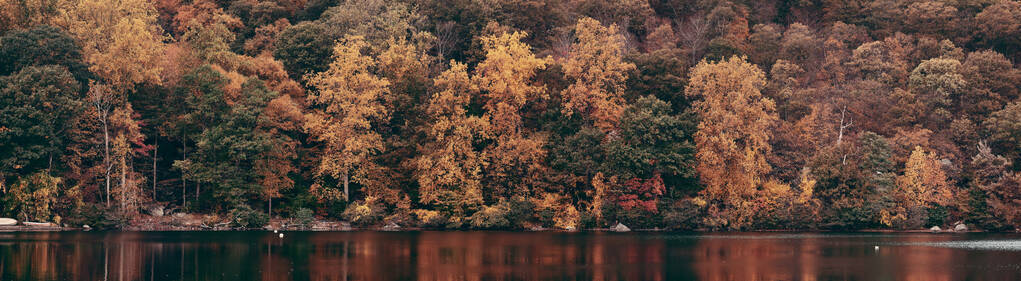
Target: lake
438, 255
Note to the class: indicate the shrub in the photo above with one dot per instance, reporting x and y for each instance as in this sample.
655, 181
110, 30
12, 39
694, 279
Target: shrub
245, 217
31, 197
362, 213
490, 217
303, 217
98, 217
682, 215
430, 218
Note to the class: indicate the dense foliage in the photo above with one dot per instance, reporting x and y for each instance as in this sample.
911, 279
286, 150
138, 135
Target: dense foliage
569, 114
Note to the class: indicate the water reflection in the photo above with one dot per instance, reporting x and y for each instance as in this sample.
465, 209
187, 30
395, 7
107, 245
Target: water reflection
500, 256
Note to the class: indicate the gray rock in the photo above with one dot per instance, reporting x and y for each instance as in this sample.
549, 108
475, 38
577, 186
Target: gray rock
620, 227
157, 211
391, 227
960, 228
570, 228
936, 229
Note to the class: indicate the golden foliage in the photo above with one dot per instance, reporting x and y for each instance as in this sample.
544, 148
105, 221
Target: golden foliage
923, 184
732, 138
505, 77
597, 67
450, 171
121, 40
345, 104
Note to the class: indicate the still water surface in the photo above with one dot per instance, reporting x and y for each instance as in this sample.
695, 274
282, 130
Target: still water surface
505, 256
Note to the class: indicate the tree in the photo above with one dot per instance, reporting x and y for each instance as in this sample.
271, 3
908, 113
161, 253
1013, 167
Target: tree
449, 172
304, 48
128, 144
991, 191
882, 61
202, 13
102, 99
732, 140
121, 40
991, 82
598, 70
345, 105
234, 142
505, 80
651, 142
32, 197
41, 45
1004, 127
280, 121
1000, 26
923, 186
800, 46
764, 42
36, 106
662, 73
940, 83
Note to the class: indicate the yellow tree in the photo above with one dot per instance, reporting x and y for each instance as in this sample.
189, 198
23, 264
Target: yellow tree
505, 80
597, 68
347, 100
449, 172
732, 141
121, 40
505, 77
127, 145
924, 184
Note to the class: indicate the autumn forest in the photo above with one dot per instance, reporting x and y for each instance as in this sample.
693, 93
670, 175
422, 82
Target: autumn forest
514, 114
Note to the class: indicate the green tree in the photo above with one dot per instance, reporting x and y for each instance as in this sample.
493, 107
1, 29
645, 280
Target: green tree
41, 45
651, 141
37, 105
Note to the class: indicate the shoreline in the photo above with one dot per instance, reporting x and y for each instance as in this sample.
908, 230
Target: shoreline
168, 228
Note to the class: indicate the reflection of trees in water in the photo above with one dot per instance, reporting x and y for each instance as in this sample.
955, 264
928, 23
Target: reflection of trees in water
486, 256
830, 258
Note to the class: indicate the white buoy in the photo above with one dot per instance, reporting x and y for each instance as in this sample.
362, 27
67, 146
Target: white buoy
281, 235
274, 231
877, 248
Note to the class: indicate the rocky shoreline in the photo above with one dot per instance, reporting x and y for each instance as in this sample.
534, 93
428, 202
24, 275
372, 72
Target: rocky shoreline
194, 222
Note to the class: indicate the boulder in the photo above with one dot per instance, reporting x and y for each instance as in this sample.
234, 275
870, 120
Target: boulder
935, 229
391, 227
8, 221
620, 227
156, 211
570, 228
960, 228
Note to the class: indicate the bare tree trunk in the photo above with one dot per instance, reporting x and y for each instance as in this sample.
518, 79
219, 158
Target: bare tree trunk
843, 126
106, 149
184, 181
155, 148
347, 181
124, 182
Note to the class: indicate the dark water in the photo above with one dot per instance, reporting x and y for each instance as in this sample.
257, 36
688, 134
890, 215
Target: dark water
505, 256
